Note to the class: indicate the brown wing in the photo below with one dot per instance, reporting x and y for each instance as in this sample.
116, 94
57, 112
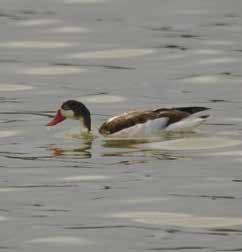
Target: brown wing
132, 118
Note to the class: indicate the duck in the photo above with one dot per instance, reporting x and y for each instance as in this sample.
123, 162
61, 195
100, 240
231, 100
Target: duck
134, 123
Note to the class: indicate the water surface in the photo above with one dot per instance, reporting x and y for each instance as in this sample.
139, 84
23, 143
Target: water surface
60, 191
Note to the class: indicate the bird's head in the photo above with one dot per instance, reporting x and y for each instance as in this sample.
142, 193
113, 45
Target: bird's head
72, 109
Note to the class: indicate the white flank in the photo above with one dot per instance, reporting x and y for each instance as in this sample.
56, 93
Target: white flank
186, 125
149, 128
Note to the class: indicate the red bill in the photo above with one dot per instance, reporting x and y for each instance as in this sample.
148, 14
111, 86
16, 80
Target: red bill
57, 119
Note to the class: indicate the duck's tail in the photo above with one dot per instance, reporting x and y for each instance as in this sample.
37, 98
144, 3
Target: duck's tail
188, 124
191, 110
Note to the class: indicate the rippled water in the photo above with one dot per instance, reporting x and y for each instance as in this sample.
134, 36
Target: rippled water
60, 191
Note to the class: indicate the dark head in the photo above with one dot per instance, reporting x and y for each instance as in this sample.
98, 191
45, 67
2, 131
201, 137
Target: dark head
74, 110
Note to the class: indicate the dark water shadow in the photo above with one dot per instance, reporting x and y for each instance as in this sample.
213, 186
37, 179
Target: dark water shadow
235, 249
26, 158
212, 197
195, 232
112, 67
217, 24
221, 24
171, 46
226, 230
31, 12
37, 113
123, 143
7, 100
161, 28
170, 31
182, 35
9, 61
42, 113
232, 15
32, 186
183, 248
225, 74
10, 16
8, 248
23, 14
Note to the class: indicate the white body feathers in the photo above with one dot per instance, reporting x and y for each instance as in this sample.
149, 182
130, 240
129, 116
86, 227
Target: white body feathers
157, 126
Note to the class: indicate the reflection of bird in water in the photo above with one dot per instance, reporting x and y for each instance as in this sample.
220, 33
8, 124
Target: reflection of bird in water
134, 123
84, 151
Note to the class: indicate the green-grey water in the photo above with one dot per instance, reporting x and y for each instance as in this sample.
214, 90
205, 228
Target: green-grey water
60, 191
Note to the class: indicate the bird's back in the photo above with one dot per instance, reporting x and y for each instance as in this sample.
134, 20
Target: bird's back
162, 117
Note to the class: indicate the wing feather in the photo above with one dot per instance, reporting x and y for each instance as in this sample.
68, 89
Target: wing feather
132, 118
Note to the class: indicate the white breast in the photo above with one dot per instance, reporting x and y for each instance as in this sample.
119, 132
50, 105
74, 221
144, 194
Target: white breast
148, 128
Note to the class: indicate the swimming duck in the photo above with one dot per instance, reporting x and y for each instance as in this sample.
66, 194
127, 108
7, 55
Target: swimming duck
133, 123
